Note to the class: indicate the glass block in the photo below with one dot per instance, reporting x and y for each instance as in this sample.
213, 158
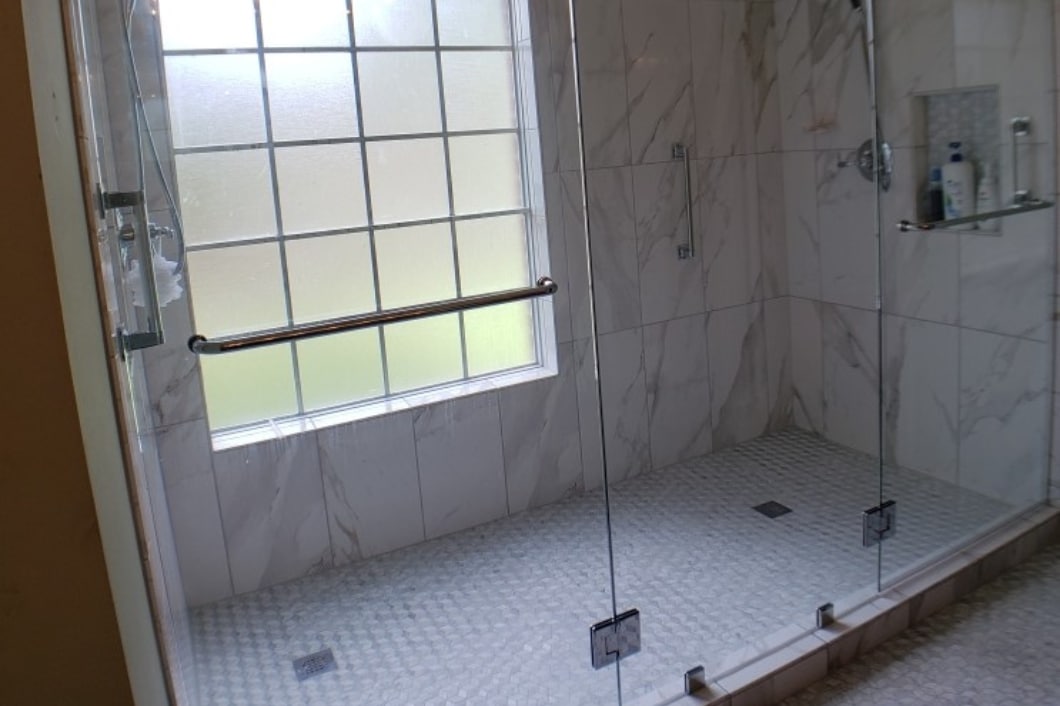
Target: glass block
330, 276
306, 23
415, 265
407, 180
237, 289
487, 174
499, 338
493, 254
207, 24
321, 187
311, 96
225, 196
423, 353
399, 92
249, 386
473, 22
232, 115
340, 369
395, 23
479, 90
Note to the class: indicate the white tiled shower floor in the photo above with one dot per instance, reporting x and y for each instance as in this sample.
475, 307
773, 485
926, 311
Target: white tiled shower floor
500, 614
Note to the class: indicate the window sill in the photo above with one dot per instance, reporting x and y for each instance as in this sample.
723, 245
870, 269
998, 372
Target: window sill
280, 429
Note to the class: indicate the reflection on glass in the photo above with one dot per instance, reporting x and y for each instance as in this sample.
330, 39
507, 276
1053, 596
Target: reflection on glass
473, 22
407, 180
249, 386
233, 115
237, 289
230, 26
415, 265
330, 276
306, 23
422, 353
340, 369
225, 196
493, 254
499, 338
403, 23
321, 187
479, 90
311, 96
486, 173
399, 93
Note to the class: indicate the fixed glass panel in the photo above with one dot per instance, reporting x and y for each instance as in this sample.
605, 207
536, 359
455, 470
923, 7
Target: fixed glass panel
237, 289
395, 23
968, 343
485, 173
239, 118
473, 22
423, 353
311, 96
321, 187
337, 369
225, 196
330, 276
310, 23
415, 265
479, 90
238, 387
399, 93
398, 169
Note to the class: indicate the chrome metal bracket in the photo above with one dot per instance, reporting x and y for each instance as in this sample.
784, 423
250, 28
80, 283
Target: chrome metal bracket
1021, 127
615, 638
695, 680
825, 615
687, 250
111, 200
879, 523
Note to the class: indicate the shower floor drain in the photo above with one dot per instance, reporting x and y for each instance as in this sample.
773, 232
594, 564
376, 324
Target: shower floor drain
314, 664
772, 509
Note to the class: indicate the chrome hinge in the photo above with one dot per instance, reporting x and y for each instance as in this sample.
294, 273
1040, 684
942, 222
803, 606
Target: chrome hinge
615, 638
879, 523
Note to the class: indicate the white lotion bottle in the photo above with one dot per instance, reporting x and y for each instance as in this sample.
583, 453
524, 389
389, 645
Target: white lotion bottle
986, 196
958, 187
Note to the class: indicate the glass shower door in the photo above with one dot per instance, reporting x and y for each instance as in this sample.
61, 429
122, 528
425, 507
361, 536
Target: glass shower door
967, 308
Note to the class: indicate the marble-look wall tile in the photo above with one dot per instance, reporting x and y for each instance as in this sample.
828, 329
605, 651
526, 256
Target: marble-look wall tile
541, 439
847, 231
1004, 415
602, 62
371, 486
273, 511
731, 253
722, 69
850, 376
556, 215
1007, 282
794, 73
541, 48
840, 79
173, 377
1054, 466
461, 461
772, 233
613, 230
779, 363
806, 365
589, 405
739, 386
675, 359
916, 50
659, 77
625, 402
800, 224
669, 287
191, 495
762, 39
920, 396
574, 236
564, 94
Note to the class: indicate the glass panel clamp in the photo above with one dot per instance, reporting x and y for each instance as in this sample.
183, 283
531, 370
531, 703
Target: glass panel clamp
615, 638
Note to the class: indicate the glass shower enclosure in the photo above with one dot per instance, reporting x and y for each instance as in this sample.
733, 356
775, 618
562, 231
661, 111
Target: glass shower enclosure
542, 351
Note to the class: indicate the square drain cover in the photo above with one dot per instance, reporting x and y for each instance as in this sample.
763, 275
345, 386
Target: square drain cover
772, 509
314, 664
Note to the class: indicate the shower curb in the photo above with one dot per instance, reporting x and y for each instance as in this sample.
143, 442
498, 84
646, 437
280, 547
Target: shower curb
789, 667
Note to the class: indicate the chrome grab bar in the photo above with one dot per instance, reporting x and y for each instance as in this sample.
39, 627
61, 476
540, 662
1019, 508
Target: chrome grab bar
200, 345
688, 250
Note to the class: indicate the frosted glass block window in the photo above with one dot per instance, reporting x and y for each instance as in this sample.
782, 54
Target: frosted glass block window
335, 158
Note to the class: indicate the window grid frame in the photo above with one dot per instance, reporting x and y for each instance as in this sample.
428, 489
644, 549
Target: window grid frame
281, 237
